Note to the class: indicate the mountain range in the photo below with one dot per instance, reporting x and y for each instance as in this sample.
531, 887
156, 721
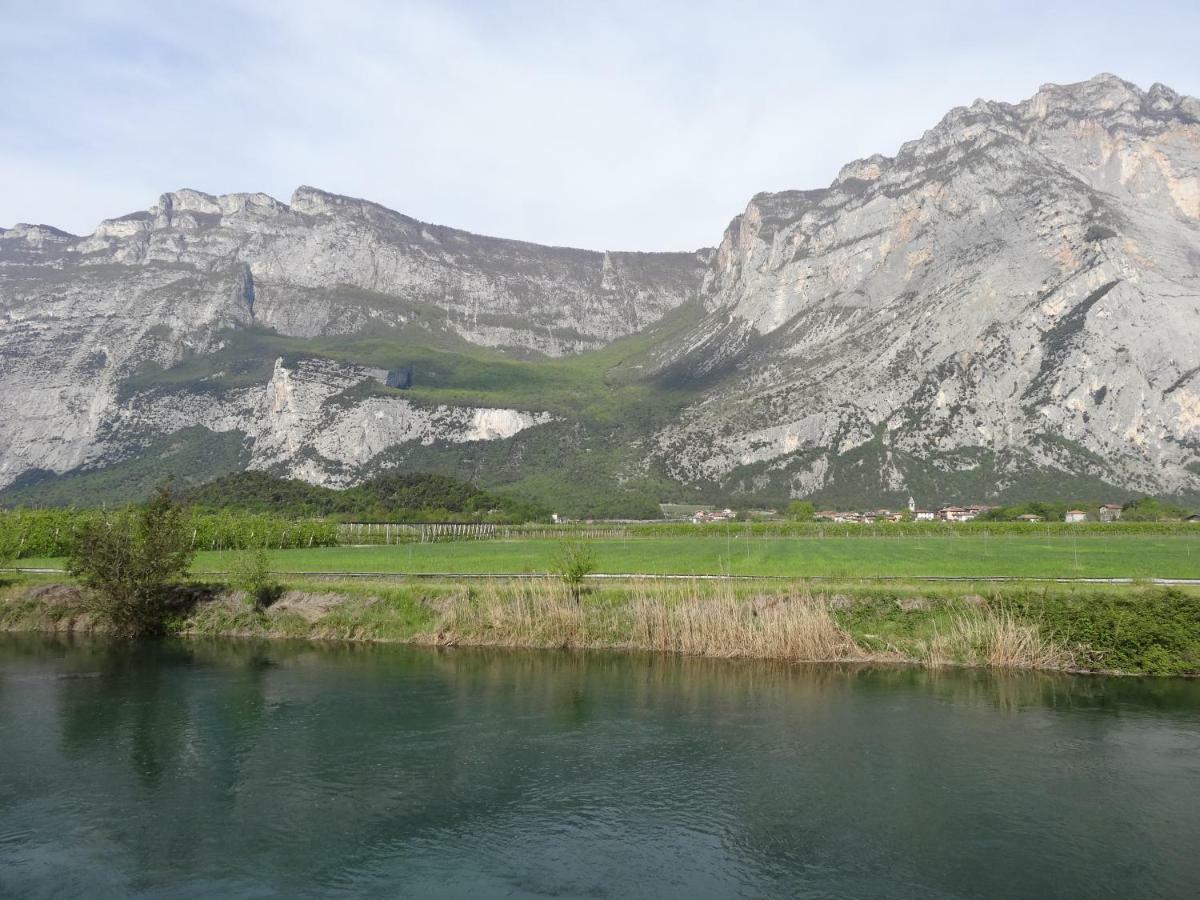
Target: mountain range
1009, 307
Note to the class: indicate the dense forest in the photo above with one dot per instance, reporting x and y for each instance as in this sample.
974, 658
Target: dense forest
391, 498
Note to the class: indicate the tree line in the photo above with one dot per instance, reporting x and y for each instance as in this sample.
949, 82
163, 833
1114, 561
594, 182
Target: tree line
409, 497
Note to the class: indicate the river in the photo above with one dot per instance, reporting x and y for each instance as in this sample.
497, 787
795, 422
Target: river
278, 769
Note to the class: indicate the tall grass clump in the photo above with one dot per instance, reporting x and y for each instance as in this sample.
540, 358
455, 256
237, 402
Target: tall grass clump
686, 618
996, 639
717, 622
518, 613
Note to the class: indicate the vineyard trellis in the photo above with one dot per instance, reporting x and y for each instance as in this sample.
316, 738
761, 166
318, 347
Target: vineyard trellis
51, 532
352, 533
412, 532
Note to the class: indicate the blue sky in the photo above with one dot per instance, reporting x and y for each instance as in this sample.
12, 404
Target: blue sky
637, 125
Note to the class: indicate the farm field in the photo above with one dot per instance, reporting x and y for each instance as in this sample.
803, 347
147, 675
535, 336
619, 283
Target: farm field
1116, 556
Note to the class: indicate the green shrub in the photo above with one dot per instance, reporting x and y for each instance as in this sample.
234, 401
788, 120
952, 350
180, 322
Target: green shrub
229, 530
1156, 633
574, 561
131, 561
9, 547
250, 571
801, 510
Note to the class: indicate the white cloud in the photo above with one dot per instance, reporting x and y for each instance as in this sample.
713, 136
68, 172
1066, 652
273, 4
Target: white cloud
642, 126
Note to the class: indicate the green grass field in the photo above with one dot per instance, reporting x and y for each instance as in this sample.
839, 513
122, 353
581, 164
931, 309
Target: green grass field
1132, 556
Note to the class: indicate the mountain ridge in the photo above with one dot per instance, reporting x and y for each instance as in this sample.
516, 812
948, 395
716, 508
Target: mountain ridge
1006, 224
1011, 298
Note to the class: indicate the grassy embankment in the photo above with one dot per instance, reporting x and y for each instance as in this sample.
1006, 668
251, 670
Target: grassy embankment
1129, 629
1021, 556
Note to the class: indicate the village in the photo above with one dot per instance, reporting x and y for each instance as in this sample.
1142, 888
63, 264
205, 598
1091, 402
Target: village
1106, 512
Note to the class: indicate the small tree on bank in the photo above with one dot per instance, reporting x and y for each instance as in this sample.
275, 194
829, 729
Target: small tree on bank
250, 571
573, 562
131, 561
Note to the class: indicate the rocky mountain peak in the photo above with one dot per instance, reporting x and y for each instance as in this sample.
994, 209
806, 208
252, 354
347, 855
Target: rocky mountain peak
186, 200
315, 202
997, 280
36, 235
1102, 93
185, 205
1013, 294
29, 243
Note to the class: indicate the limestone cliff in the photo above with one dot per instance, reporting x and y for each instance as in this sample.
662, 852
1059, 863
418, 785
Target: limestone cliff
78, 316
1009, 305
1018, 289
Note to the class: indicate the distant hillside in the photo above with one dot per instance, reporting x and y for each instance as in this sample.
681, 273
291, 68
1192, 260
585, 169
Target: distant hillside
395, 498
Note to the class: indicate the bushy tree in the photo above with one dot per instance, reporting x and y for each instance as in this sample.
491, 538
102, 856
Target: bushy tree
1151, 509
801, 510
131, 560
1049, 510
573, 562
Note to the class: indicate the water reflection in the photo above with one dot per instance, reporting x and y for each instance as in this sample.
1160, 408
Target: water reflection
236, 767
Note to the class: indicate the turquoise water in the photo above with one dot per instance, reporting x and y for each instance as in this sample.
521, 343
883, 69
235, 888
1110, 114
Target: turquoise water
255, 769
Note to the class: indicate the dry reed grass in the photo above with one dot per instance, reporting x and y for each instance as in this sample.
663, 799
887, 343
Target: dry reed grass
679, 617
719, 623
983, 637
523, 613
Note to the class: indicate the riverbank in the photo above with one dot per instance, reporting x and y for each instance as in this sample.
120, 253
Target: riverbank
1134, 629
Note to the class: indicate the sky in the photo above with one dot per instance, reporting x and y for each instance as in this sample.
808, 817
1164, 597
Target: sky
626, 125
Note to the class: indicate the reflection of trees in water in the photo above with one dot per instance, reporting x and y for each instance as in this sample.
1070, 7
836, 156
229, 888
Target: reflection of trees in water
129, 706
1013, 691
155, 726
310, 761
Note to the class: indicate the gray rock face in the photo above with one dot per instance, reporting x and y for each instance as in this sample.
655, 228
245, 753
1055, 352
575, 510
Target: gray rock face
300, 421
333, 265
78, 315
1015, 294
1022, 283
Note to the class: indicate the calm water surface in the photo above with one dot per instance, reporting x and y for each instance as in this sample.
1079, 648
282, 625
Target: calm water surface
248, 769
